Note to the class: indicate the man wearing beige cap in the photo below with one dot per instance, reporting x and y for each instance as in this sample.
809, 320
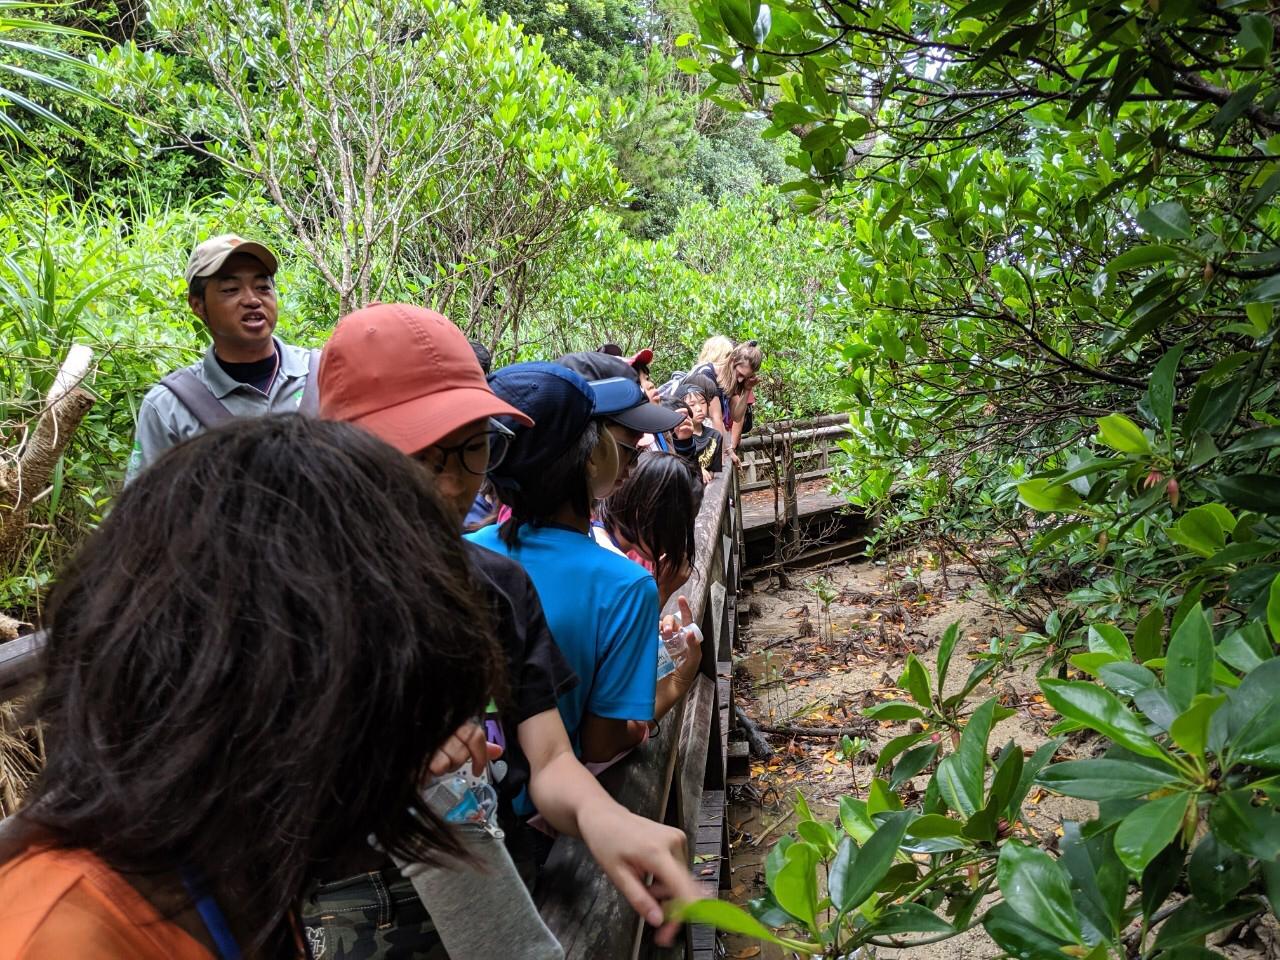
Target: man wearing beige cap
246, 371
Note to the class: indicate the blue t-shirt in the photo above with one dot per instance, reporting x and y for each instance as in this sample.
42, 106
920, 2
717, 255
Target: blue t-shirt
603, 612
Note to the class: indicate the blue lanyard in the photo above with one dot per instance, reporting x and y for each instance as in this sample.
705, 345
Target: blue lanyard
211, 914
661, 442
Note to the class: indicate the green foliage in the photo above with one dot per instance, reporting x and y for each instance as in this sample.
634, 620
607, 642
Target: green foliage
443, 168
1060, 251
1189, 767
26, 58
745, 267
108, 276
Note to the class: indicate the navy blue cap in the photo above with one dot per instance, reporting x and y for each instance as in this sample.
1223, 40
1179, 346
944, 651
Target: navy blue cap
633, 410
560, 403
623, 401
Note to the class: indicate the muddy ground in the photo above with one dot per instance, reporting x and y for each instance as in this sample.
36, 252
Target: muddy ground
794, 670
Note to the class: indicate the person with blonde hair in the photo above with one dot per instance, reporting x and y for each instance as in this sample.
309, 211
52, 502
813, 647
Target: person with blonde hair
734, 372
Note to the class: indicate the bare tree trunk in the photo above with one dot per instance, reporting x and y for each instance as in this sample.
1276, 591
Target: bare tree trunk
28, 470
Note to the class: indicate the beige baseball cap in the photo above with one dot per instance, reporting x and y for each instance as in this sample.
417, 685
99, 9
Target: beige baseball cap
208, 257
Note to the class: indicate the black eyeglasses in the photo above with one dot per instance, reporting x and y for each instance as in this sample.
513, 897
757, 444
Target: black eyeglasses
480, 454
632, 453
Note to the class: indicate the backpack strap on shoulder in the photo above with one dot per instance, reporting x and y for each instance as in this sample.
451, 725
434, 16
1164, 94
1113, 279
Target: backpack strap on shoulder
196, 397
309, 405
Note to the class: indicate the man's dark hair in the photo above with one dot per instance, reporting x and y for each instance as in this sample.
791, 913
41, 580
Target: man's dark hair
197, 286
251, 662
483, 356
536, 497
641, 368
656, 508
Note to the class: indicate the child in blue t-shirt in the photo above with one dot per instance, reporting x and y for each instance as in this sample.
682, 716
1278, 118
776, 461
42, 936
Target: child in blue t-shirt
601, 607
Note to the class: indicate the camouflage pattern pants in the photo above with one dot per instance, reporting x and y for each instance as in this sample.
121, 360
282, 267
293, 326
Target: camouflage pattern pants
372, 916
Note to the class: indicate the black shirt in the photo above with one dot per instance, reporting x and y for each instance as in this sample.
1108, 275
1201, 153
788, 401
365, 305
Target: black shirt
257, 373
702, 451
537, 672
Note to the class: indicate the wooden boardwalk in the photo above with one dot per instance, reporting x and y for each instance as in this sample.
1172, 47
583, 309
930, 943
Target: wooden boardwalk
758, 511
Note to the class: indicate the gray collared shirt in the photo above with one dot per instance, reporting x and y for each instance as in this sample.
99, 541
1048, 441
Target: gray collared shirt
164, 421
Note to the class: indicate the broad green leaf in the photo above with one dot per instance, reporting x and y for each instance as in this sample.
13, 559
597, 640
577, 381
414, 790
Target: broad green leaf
1199, 531
811, 831
1005, 781
1166, 221
1255, 36
872, 862
796, 885
1246, 648
1043, 496
890, 751
1190, 730
802, 808
731, 918
946, 647
1252, 491
912, 762
1108, 638
1030, 770
855, 820
1149, 829
1162, 874
1263, 438
1019, 937
841, 871
1248, 829
1120, 433
880, 798
893, 710
1099, 880
908, 918
1148, 637
1099, 710
776, 859
1189, 662
1143, 256
916, 681
1193, 920
1037, 888
1126, 679
1216, 873
933, 825
1091, 663
1162, 386
961, 775
1103, 779
1253, 718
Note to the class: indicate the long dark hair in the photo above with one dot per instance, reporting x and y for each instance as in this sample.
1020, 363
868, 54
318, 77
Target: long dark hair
251, 662
535, 496
655, 509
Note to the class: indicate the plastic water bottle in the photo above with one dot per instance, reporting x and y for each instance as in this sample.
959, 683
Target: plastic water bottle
672, 650
463, 797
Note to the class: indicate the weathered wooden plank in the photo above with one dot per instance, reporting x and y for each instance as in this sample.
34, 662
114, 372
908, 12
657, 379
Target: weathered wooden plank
695, 727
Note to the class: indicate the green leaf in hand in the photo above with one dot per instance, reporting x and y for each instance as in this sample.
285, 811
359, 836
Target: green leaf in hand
731, 918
